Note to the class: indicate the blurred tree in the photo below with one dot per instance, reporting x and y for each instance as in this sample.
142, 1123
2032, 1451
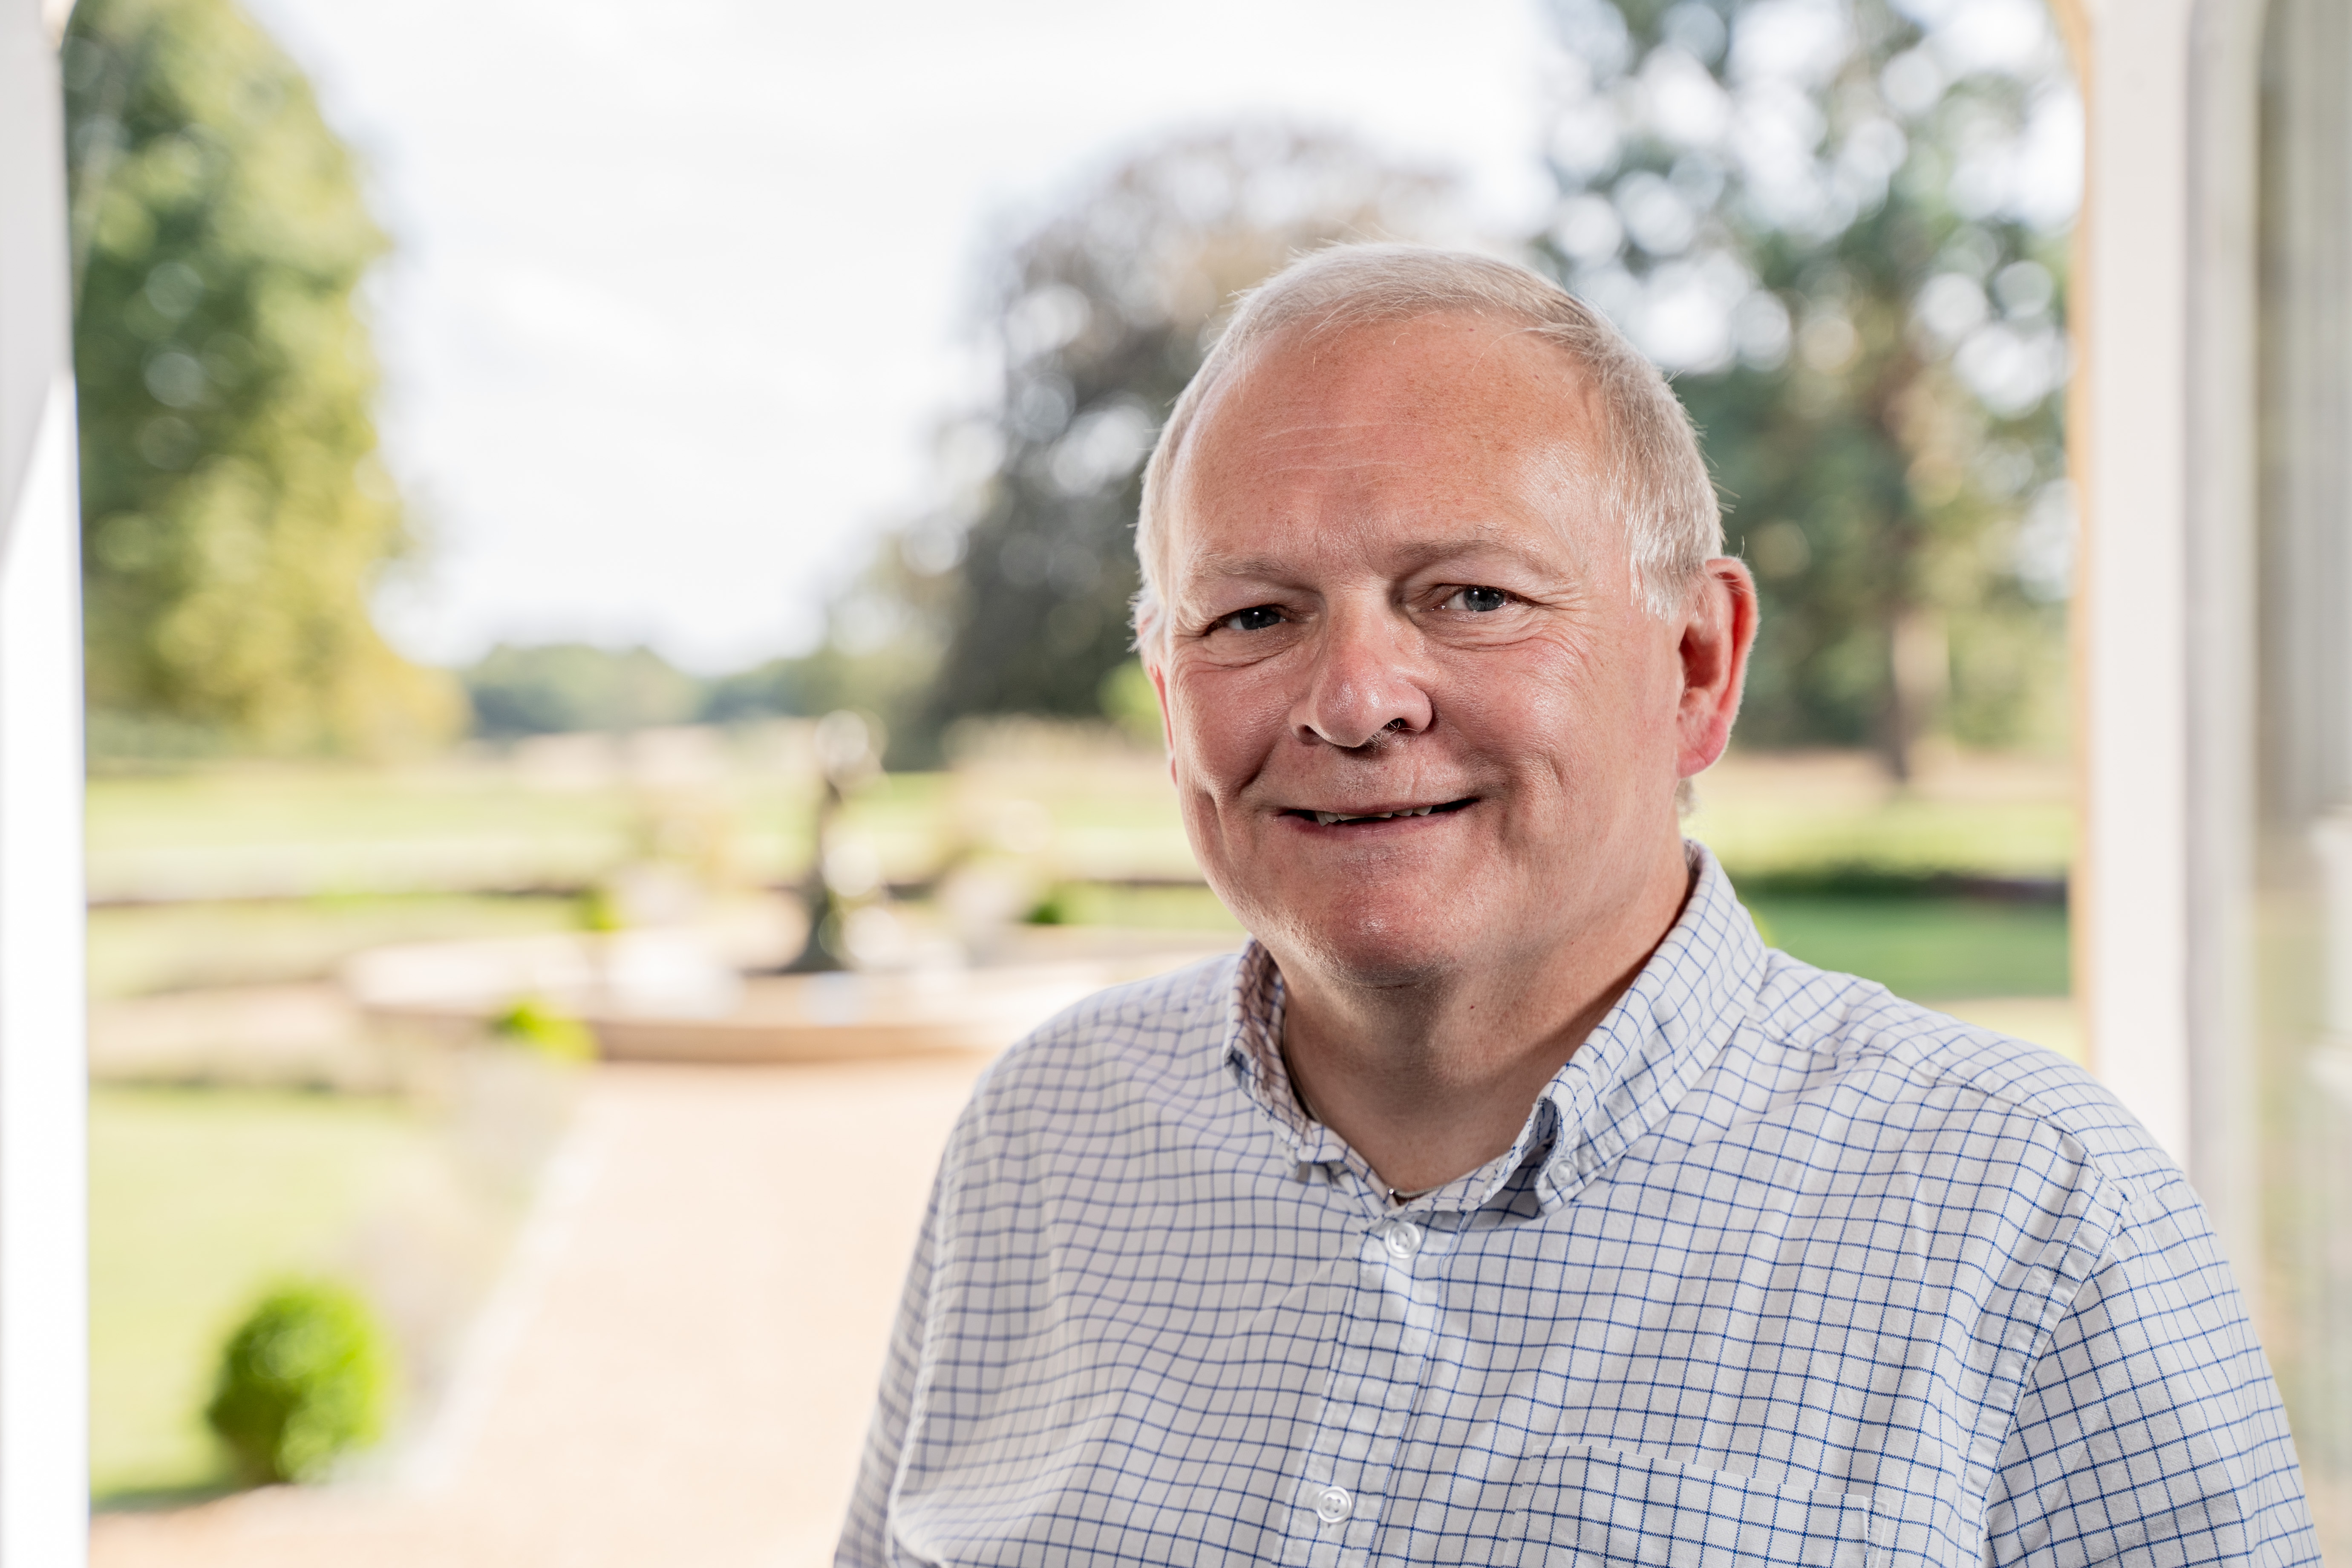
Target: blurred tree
1099, 317
550, 688
235, 516
779, 686
884, 680
559, 687
1840, 222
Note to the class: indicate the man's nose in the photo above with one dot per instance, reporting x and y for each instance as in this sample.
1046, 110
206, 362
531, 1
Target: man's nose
1365, 680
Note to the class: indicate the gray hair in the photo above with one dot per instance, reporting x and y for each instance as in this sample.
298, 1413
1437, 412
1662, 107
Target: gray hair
1650, 461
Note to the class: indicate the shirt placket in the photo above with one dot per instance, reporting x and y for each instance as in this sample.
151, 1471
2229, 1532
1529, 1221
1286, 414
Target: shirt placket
1377, 1362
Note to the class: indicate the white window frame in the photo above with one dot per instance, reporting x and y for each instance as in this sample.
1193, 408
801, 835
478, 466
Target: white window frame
44, 1295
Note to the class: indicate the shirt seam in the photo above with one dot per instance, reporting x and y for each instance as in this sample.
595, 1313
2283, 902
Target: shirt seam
1940, 1075
2110, 1198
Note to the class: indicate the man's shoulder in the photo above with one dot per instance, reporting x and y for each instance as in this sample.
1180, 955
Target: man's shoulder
1154, 1036
1949, 1077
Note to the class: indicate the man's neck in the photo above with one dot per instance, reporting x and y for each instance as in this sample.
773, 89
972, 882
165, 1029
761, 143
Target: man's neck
1429, 1081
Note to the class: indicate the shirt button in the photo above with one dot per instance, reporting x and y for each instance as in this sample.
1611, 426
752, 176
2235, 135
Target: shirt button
1333, 1504
1403, 1238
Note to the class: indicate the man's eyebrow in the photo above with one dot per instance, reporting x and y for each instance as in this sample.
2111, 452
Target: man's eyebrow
1216, 564
1415, 556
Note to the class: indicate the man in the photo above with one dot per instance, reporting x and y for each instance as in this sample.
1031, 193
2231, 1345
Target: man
1506, 1200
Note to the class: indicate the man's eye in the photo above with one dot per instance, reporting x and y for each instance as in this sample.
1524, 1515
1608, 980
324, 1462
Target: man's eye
1256, 618
1477, 600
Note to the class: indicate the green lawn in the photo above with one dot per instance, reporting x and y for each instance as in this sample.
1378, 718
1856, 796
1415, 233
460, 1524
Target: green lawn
234, 806
142, 948
198, 1200
1141, 909
246, 829
2001, 837
1928, 949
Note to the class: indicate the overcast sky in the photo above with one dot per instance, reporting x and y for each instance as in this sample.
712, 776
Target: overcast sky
681, 288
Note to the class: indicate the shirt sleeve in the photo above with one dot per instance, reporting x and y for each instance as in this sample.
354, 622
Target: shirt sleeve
864, 1538
2151, 1431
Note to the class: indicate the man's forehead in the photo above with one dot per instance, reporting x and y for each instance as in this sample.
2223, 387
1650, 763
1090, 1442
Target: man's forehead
1439, 428
1450, 389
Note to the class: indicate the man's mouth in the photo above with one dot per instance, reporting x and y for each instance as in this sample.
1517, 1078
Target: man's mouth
1344, 819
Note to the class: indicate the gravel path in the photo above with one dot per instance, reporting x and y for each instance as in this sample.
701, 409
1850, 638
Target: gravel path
679, 1366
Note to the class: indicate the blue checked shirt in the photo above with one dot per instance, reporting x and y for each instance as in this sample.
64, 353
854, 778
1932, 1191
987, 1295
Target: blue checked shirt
1781, 1270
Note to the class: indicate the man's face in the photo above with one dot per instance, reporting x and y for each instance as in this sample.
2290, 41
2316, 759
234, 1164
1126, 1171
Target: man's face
1395, 587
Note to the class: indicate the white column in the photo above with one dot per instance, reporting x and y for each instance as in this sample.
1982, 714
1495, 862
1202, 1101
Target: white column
44, 1422
2166, 590
2131, 588
2223, 498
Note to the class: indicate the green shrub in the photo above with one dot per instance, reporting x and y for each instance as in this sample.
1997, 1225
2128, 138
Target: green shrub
532, 1023
306, 1378
601, 911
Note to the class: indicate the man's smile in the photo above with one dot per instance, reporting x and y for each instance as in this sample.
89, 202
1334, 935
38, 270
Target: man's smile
1365, 816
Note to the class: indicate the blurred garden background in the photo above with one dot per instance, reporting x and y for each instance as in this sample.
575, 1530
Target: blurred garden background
465, 760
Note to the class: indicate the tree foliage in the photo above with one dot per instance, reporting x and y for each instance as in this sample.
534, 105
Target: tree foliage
548, 688
235, 516
1099, 317
1820, 214
555, 688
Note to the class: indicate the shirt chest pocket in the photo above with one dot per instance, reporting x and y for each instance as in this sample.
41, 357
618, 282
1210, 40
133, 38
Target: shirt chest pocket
1589, 1507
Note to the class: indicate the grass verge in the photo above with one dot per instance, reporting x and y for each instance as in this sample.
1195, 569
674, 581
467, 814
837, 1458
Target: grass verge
199, 1199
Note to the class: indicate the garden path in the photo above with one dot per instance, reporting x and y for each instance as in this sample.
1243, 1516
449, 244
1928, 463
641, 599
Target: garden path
679, 1366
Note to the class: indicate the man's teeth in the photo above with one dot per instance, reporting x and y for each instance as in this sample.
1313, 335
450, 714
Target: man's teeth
1328, 818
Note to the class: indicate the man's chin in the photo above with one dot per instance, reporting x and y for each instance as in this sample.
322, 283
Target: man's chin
1366, 947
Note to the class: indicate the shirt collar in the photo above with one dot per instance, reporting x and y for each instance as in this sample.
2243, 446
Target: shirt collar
1254, 1053
1642, 1057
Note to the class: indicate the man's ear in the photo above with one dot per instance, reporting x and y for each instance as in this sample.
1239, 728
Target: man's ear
1718, 628
1159, 674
